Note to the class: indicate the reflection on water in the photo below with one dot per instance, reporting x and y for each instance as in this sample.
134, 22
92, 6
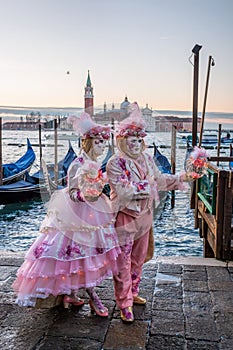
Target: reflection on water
20, 224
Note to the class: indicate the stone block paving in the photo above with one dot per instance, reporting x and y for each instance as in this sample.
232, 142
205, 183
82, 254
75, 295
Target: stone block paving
190, 307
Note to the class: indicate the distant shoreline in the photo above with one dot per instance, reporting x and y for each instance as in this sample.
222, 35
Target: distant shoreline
167, 111
212, 119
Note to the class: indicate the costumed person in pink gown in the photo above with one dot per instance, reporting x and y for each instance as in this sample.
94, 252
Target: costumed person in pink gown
77, 244
134, 180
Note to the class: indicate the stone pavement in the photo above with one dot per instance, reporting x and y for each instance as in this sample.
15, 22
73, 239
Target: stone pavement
190, 307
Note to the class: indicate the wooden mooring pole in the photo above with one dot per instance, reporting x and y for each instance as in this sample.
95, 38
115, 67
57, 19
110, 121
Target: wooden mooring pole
112, 134
231, 155
219, 141
173, 161
210, 63
55, 153
40, 144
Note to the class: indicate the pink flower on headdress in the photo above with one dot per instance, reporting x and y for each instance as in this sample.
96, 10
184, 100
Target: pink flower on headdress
134, 125
88, 128
131, 130
99, 132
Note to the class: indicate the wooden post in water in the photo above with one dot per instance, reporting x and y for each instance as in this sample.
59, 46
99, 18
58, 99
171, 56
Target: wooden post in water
173, 160
112, 135
219, 141
231, 155
210, 63
40, 144
1, 171
55, 153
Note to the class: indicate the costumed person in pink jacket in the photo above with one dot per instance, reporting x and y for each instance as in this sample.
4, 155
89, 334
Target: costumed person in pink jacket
77, 244
134, 181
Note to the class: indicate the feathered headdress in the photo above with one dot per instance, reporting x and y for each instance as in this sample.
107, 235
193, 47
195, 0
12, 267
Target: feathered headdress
88, 128
133, 125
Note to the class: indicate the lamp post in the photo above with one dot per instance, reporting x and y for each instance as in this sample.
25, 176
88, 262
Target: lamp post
195, 51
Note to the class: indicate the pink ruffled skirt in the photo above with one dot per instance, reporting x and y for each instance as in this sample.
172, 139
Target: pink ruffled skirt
66, 257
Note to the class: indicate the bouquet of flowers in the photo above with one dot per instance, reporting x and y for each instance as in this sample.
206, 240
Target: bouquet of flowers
90, 180
196, 164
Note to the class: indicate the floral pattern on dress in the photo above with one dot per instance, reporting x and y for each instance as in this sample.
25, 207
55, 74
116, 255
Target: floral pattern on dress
135, 287
99, 250
41, 248
80, 160
111, 239
127, 248
126, 175
136, 280
70, 251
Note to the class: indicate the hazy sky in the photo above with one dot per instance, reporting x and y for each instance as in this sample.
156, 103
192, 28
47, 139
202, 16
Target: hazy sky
138, 48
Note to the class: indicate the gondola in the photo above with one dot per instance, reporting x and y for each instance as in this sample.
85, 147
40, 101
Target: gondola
161, 161
37, 185
62, 167
13, 172
41, 183
22, 191
165, 168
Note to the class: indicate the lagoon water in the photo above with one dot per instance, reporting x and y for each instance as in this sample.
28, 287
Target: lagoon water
20, 222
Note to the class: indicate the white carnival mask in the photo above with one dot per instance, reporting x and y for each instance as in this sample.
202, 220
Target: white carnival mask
134, 145
99, 146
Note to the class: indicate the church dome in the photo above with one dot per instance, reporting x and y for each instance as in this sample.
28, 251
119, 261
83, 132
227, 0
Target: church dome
125, 103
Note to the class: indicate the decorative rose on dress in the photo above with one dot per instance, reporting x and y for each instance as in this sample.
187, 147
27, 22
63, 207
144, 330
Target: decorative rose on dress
196, 164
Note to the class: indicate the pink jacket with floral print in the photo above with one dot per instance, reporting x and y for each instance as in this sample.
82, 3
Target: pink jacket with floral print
128, 181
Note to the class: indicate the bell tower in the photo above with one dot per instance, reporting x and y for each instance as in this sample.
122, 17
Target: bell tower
89, 97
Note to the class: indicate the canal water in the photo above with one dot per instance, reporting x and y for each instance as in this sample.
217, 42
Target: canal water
20, 222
